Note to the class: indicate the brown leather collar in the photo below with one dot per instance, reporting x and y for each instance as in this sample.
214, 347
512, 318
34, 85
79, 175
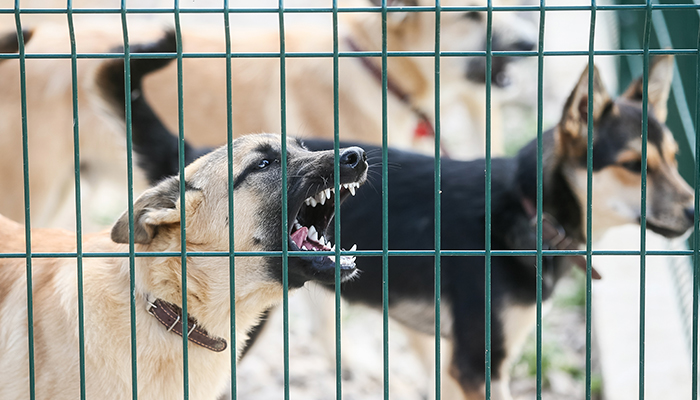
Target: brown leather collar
554, 235
425, 126
170, 316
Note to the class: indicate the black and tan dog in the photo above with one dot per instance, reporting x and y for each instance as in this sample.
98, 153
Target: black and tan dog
616, 201
257, 226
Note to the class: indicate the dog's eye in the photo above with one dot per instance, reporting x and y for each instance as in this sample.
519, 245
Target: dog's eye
473, 15
263, 164
634, 166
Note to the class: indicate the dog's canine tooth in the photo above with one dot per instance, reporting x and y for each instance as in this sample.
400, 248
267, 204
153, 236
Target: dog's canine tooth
313, 234
328, 193
351, 188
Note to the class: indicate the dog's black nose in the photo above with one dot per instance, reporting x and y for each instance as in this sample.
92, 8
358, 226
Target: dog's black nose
524, 45
352, 156
690, 213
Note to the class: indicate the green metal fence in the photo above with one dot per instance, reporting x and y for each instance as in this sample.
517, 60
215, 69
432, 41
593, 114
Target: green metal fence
637, 47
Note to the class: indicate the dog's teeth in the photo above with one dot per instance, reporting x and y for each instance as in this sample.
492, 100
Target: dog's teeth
304, 248
313, 234
352, 190
322, 240
345, 185
332, 247
321, 198
312, 202
354, 247
328, 193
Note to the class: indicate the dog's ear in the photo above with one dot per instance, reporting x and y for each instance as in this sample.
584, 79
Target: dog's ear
573, 126
156, 207
660, 78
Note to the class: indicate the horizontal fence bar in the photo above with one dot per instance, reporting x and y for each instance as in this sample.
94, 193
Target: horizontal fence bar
322, 10
359, 54
363, 253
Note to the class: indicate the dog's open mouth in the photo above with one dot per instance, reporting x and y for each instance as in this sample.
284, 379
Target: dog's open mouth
308, 230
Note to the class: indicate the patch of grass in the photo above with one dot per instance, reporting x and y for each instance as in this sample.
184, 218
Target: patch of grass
575, 297
597, 386
554, 358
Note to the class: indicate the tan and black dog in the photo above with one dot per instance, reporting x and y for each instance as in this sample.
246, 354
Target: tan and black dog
257, 226
617, 156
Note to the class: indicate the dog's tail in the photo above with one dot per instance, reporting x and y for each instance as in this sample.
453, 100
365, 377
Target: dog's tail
155, 146
10, 44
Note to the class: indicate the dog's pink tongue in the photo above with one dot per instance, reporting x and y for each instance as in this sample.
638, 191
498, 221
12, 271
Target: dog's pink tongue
300, 235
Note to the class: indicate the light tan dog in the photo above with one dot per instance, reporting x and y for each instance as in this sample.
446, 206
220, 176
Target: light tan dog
257, 226
309, 81
256, 98
50, 125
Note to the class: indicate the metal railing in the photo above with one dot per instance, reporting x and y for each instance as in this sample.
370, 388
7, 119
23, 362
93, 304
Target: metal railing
649, 10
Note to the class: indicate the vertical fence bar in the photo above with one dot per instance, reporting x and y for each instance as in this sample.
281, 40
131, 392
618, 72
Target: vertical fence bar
696, 233
589, 196
436, 178
336, 200
643, 218
231, 224
385, 210
78, 214
487, 203
285, 244
540, 185
27, 213
183, 209
130, 199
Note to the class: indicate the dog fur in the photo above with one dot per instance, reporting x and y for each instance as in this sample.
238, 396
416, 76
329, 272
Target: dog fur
309, 91
616, 201
257, 223
50, 125
255, 96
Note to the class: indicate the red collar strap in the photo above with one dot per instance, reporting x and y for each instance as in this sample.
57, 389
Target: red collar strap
554, 235
425, 126
170, 316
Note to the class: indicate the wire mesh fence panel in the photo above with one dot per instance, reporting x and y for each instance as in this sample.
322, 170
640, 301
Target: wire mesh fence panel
648, 31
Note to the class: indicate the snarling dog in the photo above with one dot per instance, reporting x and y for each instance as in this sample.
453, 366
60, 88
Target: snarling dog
257, 225
617, 163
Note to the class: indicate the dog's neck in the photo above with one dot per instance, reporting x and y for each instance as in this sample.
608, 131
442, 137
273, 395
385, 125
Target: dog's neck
210, 306
559, 199
409, 74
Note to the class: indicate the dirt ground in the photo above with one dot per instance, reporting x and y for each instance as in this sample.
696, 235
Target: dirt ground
312, 373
